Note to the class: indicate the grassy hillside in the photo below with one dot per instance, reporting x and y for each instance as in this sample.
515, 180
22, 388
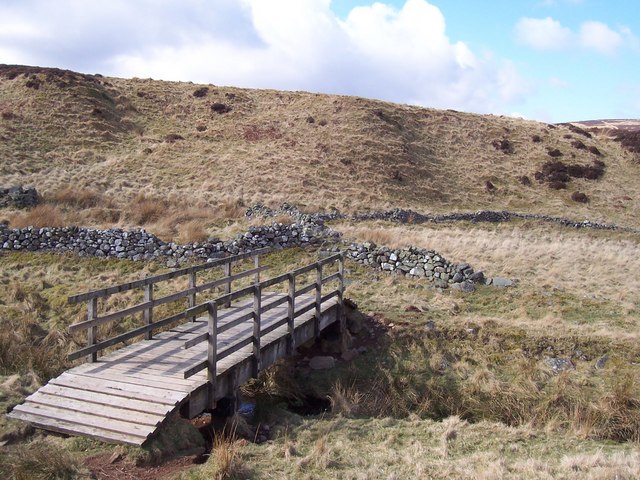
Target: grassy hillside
450, 385
118, 142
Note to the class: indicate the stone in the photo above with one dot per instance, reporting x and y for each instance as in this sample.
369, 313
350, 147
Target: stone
322, 362
467, 286
458, 277
558, 364
602, 361
477, 277
349, 355
501, 282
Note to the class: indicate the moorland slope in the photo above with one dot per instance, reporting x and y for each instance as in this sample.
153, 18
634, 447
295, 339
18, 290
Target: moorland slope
206, 146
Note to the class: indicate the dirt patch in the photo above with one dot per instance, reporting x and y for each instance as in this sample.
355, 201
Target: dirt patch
102, 467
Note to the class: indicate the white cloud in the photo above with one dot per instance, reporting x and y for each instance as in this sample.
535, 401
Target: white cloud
543, 33
402, 55
549, 34
558, 83
598, 36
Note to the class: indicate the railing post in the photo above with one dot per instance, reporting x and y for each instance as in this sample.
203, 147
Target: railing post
291, 314
316, 321
148, 313
257, 304
227, 286
341, 314
191, 299
212, 352
256, 264
92, 332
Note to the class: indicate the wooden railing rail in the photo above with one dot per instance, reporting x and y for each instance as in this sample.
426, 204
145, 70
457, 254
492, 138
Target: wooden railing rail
94, 320
258, 331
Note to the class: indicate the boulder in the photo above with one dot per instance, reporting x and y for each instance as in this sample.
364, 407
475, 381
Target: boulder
322, 362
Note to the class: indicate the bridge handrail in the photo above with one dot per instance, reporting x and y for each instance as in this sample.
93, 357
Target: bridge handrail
258, 331
146, 307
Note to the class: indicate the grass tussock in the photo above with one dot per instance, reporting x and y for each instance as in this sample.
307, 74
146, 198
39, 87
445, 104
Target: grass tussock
78, 197
44, 215
41, 461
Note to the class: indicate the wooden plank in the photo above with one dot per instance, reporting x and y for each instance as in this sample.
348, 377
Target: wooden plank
138, 372
331, 278
234, 323
130, 334
104, 292
148, 313
274, 326
92, 331
231, 278
331, 259
309, 288
274, 281
71, 428
105, 399
329, 296
234, 348
203, 337
305, 309
143, 382
105, 411
225, 299
114, 387
283, 299
196, 368
86, 419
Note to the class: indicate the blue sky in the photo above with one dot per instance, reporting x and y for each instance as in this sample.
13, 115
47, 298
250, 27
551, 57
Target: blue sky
549, 60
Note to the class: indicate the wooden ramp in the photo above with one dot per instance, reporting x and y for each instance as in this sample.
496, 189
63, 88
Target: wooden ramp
126, 395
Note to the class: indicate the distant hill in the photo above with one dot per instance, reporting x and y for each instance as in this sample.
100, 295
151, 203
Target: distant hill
209, 145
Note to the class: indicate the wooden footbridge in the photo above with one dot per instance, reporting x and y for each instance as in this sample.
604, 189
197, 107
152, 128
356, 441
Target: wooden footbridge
201, 354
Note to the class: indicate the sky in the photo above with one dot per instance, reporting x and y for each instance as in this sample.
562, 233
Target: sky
547, 60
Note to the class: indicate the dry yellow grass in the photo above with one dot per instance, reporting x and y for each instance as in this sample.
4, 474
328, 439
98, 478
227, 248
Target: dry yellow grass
598, 265
365, 155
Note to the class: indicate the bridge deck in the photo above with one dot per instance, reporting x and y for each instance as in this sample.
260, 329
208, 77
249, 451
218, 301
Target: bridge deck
126, 395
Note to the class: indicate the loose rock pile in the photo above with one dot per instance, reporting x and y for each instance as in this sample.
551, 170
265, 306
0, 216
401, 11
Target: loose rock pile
416, 262
18, 197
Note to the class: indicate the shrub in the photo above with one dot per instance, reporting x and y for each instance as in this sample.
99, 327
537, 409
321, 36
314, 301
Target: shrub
322, 123
524, 180
310, 119
536, 138
629, 140
489, 187
220, 108
579, 145
173, 137
503, 145
579, 131
33, 82
7, 115
201, 128
594, 150
201, 92
557, 185
579, 197
555, 153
